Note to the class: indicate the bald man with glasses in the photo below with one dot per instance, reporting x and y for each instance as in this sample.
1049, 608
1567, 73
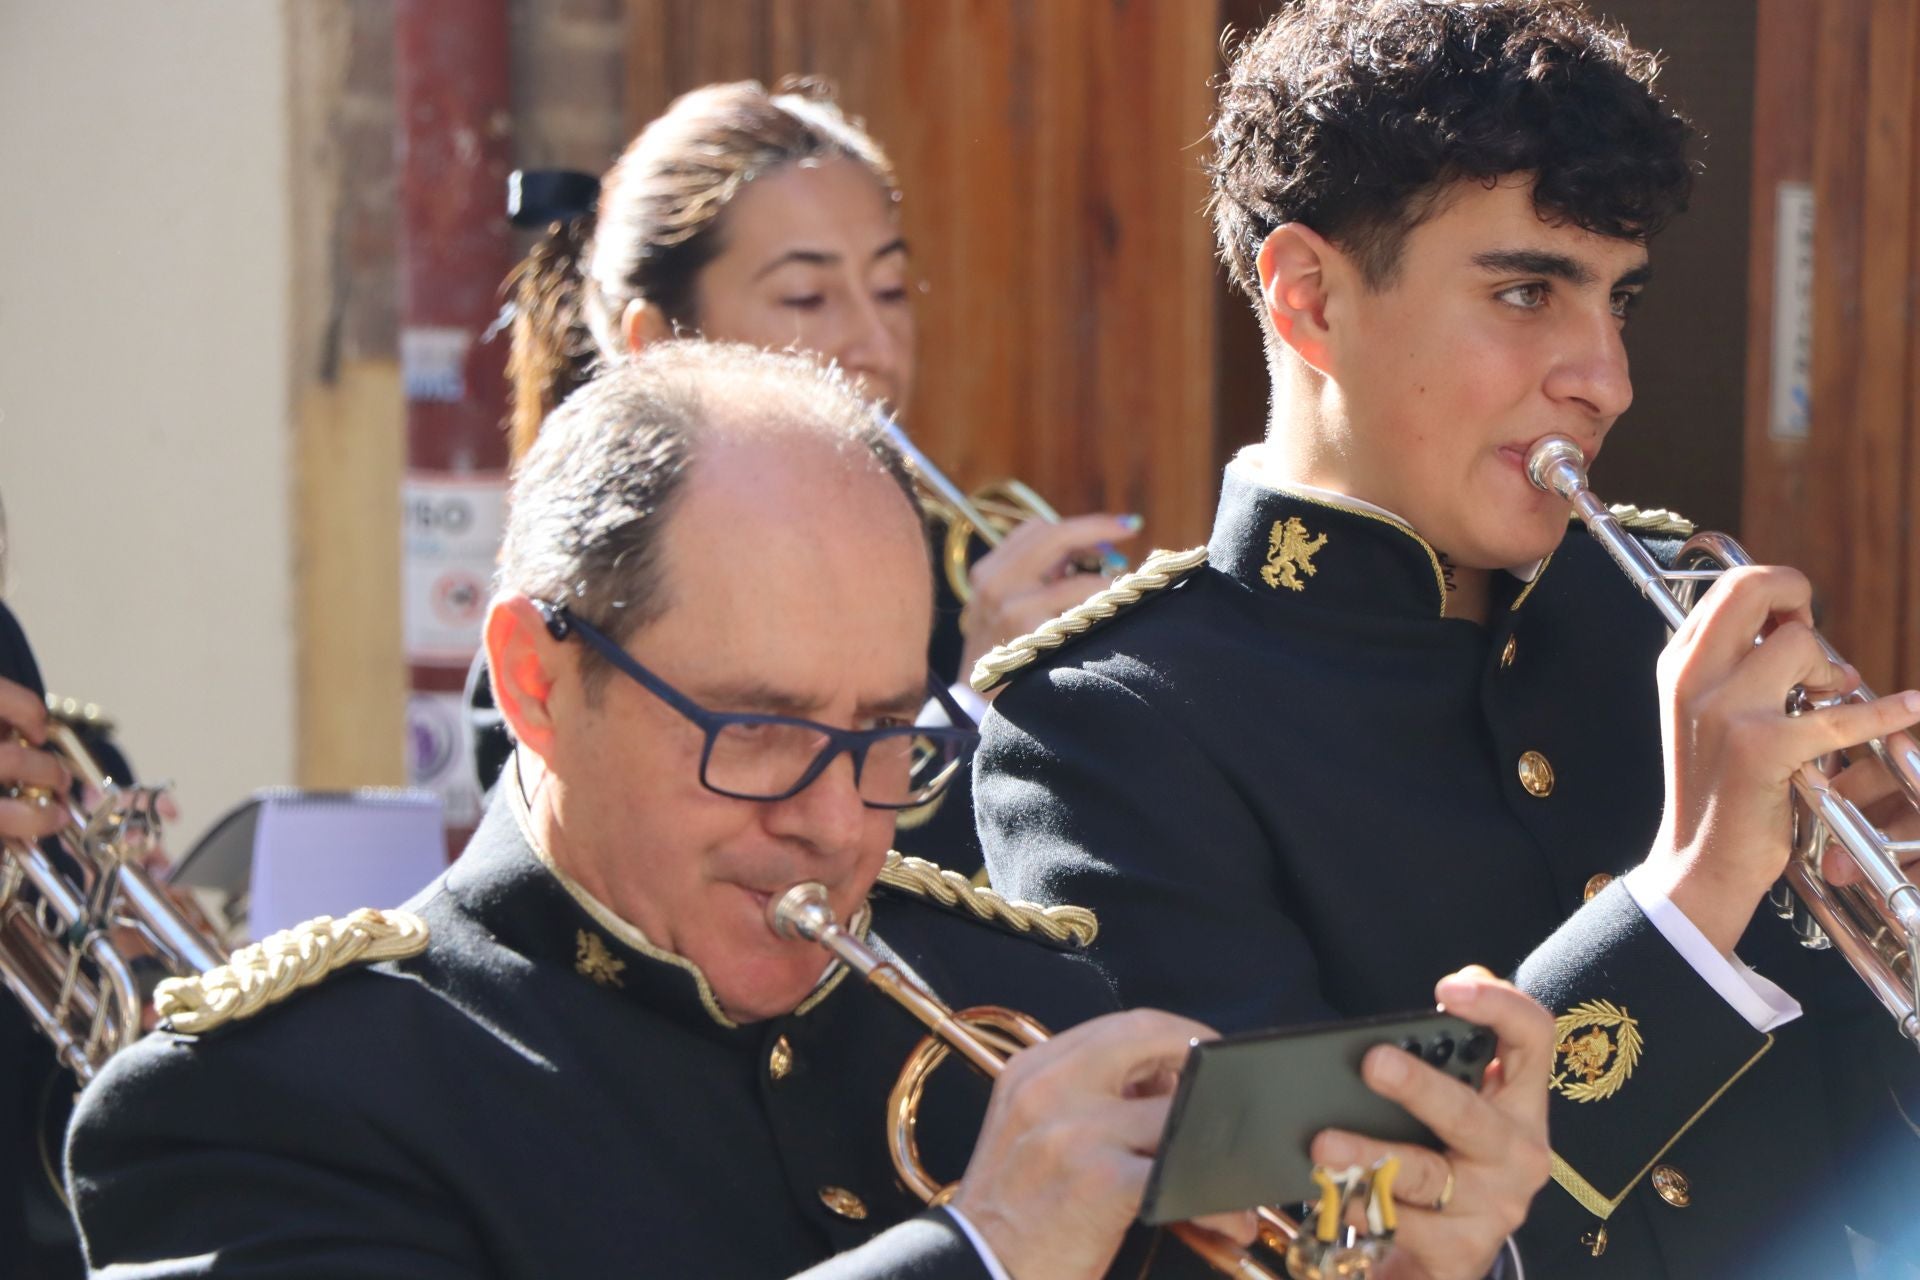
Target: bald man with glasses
583, 1051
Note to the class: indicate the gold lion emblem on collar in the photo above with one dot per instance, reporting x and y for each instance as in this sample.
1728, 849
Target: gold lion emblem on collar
593, 960
1597, 1045
1290, 552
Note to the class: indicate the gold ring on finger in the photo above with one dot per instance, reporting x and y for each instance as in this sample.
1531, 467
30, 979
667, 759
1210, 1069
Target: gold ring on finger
1445, 1197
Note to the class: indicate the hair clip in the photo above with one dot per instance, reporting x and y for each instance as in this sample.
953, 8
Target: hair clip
538, 197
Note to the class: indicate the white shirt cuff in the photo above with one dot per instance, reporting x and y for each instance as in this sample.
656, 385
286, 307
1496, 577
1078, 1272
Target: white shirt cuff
1764, 1005
979, 1244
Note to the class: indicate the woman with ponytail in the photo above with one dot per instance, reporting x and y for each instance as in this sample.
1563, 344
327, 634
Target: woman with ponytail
769, 218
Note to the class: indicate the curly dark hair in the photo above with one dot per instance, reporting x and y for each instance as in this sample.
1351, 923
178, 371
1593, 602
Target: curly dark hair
1351, 116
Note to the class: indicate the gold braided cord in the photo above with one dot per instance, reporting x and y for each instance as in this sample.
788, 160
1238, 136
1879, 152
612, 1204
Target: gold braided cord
1074, 926
282, 963
1651, 520
1157, 572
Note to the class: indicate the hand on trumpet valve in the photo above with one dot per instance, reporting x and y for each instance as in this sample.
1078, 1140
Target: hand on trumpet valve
1874, 790
1731, 749
1062, 1160
32, 782
1039, 571
1456, 1208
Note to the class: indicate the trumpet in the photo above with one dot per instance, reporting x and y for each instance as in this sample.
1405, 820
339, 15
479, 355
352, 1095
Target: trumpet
67, 917
988, 513
1875, 926
986, 1036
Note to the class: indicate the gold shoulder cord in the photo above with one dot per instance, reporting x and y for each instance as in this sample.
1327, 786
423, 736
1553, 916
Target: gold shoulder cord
1652, 520
280, 964
1074, 926
1157, 572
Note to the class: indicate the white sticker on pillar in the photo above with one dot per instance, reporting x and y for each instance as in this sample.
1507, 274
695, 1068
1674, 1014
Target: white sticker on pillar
451, 534
1790, 398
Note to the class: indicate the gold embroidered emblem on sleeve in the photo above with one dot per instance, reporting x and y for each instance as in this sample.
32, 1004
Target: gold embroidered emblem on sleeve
1597, 1045
593, 960
1290, 553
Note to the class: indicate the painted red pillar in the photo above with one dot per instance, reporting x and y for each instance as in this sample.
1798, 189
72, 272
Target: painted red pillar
455, 150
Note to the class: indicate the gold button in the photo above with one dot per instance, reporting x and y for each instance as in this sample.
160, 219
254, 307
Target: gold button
780, 1061
1596, 1240
1671, 1185
1506, 653
1536, 775
843, 1202
1594, 885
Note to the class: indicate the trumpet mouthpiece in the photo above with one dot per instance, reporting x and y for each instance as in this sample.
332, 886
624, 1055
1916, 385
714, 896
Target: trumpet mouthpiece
1556, 465
801, 912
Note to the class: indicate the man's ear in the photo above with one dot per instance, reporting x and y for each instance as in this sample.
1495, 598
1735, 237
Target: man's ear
1294, 267
523, 660
641, 325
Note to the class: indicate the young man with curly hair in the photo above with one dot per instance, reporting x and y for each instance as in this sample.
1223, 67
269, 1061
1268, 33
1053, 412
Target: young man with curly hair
1398, 717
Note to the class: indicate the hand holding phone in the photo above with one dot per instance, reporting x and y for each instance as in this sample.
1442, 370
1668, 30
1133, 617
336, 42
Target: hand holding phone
1249, 1106
1493, 1154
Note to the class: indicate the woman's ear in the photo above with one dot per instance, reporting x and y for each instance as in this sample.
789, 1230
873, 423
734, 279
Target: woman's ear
523, 661
643, 324
1294, 267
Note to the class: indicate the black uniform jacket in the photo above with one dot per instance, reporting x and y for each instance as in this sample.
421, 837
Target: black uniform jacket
29, 1083
16, 657
534, 1095
1293, 790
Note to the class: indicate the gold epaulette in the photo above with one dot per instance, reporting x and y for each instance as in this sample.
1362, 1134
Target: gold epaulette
1156, 573
280, 964
1656, 520
1067, 926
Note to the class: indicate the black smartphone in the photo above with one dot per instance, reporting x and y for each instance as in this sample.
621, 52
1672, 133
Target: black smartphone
1247, 1107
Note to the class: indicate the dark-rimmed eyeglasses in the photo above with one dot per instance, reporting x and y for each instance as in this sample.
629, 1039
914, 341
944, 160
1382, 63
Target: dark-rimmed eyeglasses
751, 756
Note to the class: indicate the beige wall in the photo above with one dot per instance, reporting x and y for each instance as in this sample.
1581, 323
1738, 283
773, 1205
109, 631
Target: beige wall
144, 382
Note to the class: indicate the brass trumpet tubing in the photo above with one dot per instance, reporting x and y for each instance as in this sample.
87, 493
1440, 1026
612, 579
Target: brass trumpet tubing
804, 916
163, 923
80, 1017
1823, 904
936, 1018
1835, 908
936, 479
802, 912
1877, 932
42, 1005
66, 743
1559, 467
988, 513
61, 925
1001, 1032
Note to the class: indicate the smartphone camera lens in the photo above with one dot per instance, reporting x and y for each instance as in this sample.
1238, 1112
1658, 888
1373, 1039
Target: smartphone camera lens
1440, 1050
1477, 1046
1413, 1046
